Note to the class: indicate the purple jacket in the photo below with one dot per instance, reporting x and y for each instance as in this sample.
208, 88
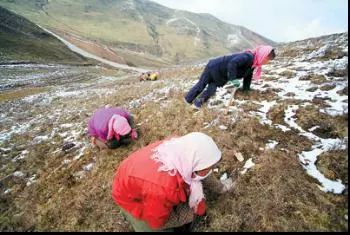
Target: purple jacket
98, 123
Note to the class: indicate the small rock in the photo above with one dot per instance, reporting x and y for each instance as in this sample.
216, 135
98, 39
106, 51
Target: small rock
67, 146
239, 157
222, 127
79, 174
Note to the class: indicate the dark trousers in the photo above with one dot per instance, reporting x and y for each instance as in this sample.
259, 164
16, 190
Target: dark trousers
246, 83
204, 81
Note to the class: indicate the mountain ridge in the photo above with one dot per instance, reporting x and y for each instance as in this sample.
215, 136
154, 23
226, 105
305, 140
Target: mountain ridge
141, 26
22, 40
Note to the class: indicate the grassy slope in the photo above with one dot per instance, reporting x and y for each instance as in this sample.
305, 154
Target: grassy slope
277, 195
141, 29
21, 40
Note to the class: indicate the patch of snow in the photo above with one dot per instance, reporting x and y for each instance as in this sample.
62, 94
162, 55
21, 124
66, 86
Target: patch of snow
23, 155
309, 158
283, 128
31, 180
223, 177
320, 52
39, 139
249, 164
18, 174
16, 129
271, 144
233, 39
198, 30
222, 127
66, 161
212, 123
80, 154
5, 149
262, 112
67, 125
88, 167
313, 128
7, 191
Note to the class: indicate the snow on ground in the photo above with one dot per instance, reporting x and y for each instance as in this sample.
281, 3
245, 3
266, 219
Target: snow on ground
309, 158
271, 144
189, 25
248, 164
71, 132
291, 83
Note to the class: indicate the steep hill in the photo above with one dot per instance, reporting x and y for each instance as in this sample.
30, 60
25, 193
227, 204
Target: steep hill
141, 26
23, 41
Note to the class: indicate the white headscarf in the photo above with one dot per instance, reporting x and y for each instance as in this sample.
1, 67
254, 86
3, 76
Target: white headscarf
187, 154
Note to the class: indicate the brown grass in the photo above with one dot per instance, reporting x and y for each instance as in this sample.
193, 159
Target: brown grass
276, 195
21, 93
329, 127
256, 95
288, 73
312, 89
285, 200
328, 87
317, 79
334, 165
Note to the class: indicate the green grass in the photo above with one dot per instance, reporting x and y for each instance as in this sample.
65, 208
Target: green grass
20, 93
141, 27
21, 40
16, 47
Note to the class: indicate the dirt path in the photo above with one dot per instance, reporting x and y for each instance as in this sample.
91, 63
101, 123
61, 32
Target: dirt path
89, 55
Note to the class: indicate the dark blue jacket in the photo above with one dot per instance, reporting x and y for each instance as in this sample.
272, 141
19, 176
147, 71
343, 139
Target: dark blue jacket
230, 67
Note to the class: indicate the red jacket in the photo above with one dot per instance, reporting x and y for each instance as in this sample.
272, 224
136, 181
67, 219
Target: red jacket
146, 193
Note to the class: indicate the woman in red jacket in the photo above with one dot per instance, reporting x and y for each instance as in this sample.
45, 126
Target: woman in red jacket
159, 186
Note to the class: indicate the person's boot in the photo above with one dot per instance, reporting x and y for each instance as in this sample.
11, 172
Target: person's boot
198, 104
186, 102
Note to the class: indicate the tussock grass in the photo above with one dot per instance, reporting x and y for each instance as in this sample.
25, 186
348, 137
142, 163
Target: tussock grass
329, 126
281, 201
21, 93
275, 195
334, 165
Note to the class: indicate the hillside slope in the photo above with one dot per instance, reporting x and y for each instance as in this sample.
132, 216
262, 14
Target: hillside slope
23, 41
139, 26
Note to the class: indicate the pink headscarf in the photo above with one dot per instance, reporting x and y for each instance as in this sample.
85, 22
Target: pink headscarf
118, 126
185, 155
260, 53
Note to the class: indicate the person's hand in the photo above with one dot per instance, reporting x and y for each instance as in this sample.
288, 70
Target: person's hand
228, 185
234, 83
134, 135
93, 141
